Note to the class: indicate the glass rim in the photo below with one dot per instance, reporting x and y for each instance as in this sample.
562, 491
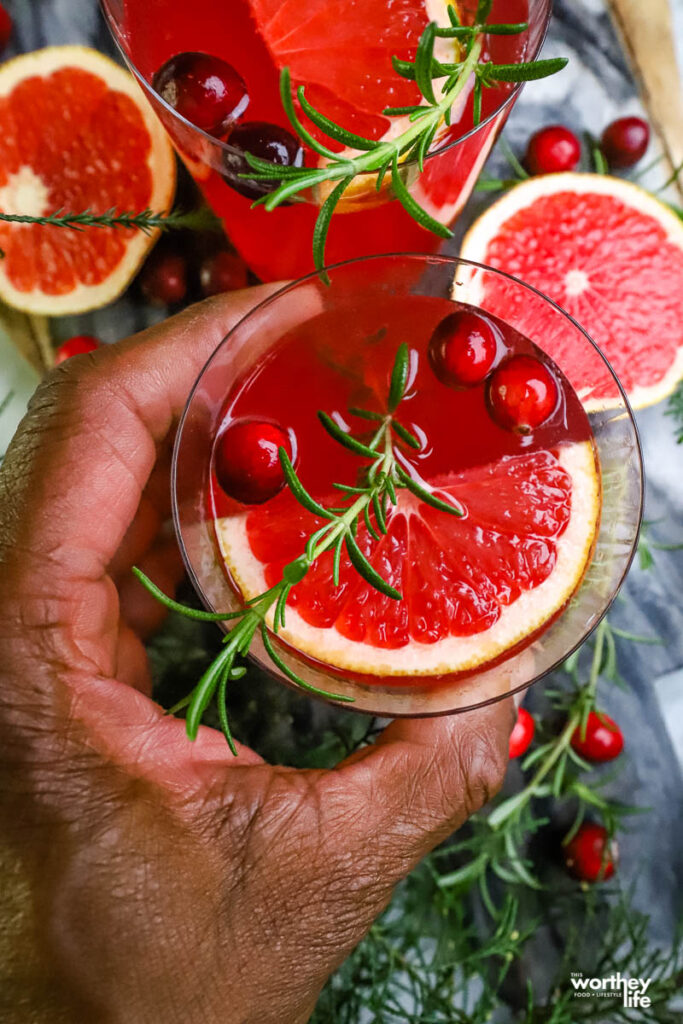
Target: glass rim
225, 148
426, 259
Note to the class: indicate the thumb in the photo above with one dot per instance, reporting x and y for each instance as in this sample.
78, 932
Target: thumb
421, 780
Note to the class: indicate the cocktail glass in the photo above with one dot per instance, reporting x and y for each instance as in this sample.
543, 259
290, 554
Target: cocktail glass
450, 280
278, 244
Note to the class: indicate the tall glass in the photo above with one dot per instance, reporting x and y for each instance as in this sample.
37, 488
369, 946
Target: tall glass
364, 281
277, 244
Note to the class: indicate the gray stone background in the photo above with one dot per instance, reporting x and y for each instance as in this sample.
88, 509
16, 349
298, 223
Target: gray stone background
594, 88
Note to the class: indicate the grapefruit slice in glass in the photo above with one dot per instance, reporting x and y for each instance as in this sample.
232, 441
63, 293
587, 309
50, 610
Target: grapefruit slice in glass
76, 134
472, 587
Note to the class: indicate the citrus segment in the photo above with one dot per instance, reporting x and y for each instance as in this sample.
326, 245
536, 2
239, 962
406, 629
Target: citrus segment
472, 587
608, 253
75, 134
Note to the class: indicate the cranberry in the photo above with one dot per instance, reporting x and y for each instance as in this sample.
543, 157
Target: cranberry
551, 150
522, 733
76, 346
522, 393
603, 739
590, 855
625, 140
205, 90
462, 349
163, 280
5, 27
269, 142
223, 271
247, 460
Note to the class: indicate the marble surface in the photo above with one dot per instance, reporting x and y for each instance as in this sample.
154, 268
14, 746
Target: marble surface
594, 88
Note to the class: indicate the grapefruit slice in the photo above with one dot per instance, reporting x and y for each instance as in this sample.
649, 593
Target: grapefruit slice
75, 134
473, 587
608, 253
342, 53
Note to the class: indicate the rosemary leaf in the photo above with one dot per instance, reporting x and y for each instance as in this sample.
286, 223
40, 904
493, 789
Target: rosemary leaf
399, 377
298, 489
367, 570
333, 130
411, 206
336, 432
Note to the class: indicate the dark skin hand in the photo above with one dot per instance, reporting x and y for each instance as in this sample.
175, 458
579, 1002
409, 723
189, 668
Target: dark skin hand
168, 881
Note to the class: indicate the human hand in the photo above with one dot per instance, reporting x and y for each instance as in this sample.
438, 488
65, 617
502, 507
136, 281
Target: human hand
170, 881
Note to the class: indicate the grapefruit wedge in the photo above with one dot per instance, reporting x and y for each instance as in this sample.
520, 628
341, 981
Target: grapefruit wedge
472, 587
75, 134
608, 253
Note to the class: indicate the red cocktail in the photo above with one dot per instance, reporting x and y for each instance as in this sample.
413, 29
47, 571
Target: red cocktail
342, 55
496, 548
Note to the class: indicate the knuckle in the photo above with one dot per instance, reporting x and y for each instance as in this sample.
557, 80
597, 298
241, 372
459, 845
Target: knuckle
483, 764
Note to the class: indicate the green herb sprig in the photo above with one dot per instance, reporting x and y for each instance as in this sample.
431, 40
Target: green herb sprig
368, 503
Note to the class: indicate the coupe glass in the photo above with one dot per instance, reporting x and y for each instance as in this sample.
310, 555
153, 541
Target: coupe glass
615, 438
278, 245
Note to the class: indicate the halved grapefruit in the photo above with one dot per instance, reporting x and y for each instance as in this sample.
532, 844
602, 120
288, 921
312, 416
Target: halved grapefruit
472, 587
75, 134
608, 253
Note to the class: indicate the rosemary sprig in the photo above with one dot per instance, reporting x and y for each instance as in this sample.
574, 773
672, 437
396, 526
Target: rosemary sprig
388, 471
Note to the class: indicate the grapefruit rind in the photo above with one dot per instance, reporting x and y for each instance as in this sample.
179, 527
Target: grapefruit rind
161, 162
529, 613
468, 286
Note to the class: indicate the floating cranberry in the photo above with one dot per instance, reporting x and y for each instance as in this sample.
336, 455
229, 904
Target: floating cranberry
205, 90
223, 271
522, 393
625, 140
590, 855
552, 150
76, 346
163, 280
462, 349
522, 733
247, 461
603, 739
5, 27
268, 142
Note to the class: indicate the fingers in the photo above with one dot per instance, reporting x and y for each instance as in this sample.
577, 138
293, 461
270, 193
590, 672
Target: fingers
74, 475
420, 781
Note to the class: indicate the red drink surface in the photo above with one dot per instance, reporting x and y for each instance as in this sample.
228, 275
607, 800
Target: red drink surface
342, 359
278, 244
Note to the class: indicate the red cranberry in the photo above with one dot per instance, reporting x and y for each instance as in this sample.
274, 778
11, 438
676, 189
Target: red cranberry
205, 90
603, 739
269, 142
5, 27
625, 140
247, 460
76, 346
163, 280
590, 855
223, 271
522, 733
462, 349
522, 393
551, 150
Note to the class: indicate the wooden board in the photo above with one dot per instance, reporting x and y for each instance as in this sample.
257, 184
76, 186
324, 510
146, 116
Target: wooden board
646, 29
